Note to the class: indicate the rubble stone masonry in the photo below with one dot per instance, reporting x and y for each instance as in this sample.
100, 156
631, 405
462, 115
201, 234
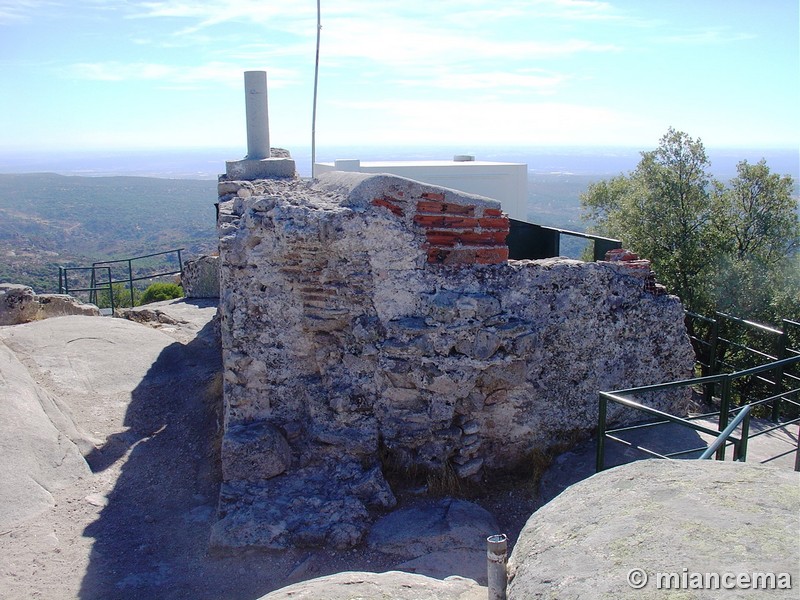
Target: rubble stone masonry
370, 320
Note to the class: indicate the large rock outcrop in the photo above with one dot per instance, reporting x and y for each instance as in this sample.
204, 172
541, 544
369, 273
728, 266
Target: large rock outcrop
373, 321
38, 450
20, 304
610, 536
394, 584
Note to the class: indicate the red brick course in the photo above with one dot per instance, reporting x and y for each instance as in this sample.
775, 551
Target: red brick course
445, 221
433, 196
492, 256
455, 234
427, 206
390, 203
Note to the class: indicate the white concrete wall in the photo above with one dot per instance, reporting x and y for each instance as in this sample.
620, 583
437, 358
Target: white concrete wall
505, 182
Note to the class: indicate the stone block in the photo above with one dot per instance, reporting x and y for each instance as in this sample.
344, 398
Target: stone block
254, 451
200, 277
17, 304
20, 304
266, 168
60, 305
436, 526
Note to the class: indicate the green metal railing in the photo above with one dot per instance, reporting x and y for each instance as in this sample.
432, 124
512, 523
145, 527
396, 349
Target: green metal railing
727, 344
531, 241
743, 419
96, 284
725, 382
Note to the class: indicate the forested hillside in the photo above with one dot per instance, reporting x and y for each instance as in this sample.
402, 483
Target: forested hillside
47, 220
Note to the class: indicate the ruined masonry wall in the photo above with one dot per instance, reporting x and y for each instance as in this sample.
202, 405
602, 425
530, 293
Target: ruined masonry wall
370, 321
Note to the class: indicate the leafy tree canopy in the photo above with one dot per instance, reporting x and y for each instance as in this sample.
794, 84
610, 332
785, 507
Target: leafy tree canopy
733, 247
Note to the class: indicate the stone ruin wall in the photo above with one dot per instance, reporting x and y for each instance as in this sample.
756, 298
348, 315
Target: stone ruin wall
373, 320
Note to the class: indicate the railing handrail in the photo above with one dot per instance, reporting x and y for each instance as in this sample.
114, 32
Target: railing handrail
122, 260
722, 438
778, 364
752, 324
532, 240
726, 379
63, 284
580, 234
657, 413
672, 384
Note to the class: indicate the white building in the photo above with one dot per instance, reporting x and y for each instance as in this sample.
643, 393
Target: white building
503, 181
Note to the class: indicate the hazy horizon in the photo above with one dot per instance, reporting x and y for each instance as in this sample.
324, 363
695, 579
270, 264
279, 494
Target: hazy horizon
208, 163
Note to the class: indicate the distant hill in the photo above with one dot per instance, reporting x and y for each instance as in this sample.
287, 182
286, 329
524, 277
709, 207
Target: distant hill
554, 199
47, 220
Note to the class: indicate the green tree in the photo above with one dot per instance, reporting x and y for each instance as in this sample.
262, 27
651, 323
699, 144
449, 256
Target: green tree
731, 247
662, 211
758, 233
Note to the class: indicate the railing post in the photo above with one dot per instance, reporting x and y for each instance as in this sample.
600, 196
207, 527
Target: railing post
130, 279
797, 452
600, 458
180, 262
724, 410
601, 246
739, 446
745, 435
708, 391
783, 344
93, 286
110, 290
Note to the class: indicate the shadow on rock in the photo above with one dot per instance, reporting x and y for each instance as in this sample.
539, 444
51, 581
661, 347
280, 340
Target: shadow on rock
154, 530
580, 463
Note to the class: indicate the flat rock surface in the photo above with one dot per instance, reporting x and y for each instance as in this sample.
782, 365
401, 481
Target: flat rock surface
661, 517
36, 458
445, 537
394, 585
433, 526
183, 319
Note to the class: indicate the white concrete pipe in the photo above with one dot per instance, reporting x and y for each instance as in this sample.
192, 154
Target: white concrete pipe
257, 115
496, 554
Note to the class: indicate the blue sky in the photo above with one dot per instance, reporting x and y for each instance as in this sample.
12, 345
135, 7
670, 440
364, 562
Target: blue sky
128, 74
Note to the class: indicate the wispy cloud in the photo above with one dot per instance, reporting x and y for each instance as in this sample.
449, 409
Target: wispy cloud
171, 76
404, 41
708, 37
202, 15
410, 121
468, 15
22, 10
497, 81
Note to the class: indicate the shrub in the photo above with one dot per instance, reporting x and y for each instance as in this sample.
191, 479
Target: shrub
122, 296
156, 292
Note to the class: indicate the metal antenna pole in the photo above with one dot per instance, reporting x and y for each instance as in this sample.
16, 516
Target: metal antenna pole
314, 116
